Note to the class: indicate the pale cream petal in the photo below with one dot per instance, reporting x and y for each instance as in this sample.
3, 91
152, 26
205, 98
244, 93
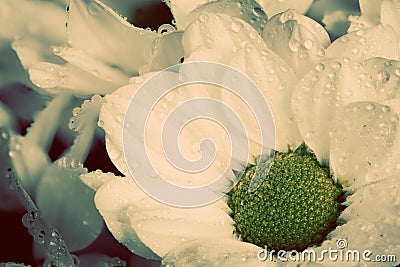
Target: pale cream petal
360, 23
233, 42
372, 223
390, 11
97, 178
365, 143
364, 44
32, 51
249, 11
273, 7
23, 18
54, 78
112, 200
112, 117
162, 227
385, 75
331, 84
371, 9
92, 65
104, 35
217, 252
181, 8
297, 39
166, 51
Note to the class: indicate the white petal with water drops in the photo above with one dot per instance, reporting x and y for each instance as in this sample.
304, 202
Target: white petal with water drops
111, 119
91, 65
103, 34
249, 11
162, 227
365, 143
331, 84
112, 200
52, 78
372, 223
232, 41
297, 39
97, 178
218, 253
366, 43
273, 7
166, 51
181, 8
385, 75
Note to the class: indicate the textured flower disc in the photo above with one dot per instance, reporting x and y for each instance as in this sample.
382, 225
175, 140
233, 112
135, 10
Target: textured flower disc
296, 205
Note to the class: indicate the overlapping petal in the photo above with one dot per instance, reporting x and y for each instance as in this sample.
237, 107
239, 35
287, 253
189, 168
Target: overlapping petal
369, 227
104, 35
297, 39
249, 11
237, 44
366, 43
273, 7
112, 199
331, 84
365, 143
385, 75
181, 10
216, 252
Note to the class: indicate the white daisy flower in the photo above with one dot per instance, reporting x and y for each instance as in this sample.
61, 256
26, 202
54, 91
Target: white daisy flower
339, 99
337, 103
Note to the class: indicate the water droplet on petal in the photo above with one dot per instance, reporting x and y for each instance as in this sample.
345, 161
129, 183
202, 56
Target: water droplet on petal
320, 67
308, 44
235, 27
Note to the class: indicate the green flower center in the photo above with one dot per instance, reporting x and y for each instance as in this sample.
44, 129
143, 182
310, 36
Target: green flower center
296, 205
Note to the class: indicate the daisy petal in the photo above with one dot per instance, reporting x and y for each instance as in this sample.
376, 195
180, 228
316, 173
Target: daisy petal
111, 119
390, 11
112, 200
360, 23
385, 76
15, 14
249, 11
103, 34
91, 65
371, 9
372, 223
364, 143
53, 78
364, 44
167, 50
331, 84
97, 178
231, 41
273, 7
216, 252
163, 227
297, 39
181, 8
30, 51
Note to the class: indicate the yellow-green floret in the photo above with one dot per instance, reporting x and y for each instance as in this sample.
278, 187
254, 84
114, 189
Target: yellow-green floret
295, 206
